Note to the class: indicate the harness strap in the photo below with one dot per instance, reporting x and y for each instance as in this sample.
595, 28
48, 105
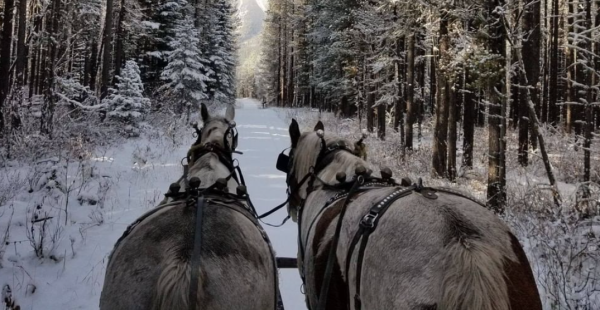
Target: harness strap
367, 225
196, 253
331, 257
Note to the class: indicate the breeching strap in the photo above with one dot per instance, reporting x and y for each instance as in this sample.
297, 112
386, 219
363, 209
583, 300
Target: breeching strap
367, 225
196, 253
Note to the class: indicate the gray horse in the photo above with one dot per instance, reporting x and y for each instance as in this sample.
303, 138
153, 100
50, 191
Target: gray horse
443, 252
150, 266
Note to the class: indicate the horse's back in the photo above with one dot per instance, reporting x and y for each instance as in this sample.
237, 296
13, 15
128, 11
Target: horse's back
150, 268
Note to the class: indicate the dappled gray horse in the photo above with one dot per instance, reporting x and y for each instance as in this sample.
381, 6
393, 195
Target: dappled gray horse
150, 266
396, 247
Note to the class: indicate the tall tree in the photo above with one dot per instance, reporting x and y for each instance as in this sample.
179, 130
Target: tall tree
469, 120
440, 138
185, 75
49, 67
590, 86
411, 106
496, 191
107, 42
21, 47
5, 59
531, 44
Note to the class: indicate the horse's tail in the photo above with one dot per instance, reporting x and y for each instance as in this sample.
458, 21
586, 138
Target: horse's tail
474, 277
173, 286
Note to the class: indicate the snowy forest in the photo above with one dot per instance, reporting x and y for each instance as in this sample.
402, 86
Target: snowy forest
498, 99
507, 65
63, 60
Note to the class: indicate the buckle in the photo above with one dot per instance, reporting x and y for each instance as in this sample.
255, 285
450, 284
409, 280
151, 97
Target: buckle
368, 221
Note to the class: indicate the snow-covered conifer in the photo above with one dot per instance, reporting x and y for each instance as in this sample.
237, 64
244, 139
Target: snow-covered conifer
220, 46
127, 102
186, 74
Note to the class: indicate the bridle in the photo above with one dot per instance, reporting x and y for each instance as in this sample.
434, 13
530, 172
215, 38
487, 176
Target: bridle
224, 152
231, 133
325, 157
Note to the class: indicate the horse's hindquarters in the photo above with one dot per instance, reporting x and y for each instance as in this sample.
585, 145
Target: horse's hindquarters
443, 253
150, 268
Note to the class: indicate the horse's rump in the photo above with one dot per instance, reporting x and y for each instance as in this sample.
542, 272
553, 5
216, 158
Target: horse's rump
150, 267
444, 253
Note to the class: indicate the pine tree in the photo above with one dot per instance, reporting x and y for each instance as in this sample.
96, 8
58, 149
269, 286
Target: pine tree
127, 102
220, 47
186, 74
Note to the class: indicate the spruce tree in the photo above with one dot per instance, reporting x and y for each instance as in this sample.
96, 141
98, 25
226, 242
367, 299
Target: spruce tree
186, 74
127, 102
220, 46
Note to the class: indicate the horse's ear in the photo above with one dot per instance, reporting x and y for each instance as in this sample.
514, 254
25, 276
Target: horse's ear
294, 132
319, 126
204, 112
230, 113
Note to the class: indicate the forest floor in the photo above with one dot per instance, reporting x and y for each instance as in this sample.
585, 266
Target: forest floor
53, 263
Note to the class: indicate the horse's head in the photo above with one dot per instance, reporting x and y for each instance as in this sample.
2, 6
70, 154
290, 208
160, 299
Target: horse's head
217, 134
314, 152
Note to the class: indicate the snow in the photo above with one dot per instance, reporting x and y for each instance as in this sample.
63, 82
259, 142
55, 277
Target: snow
266, 185
123, 182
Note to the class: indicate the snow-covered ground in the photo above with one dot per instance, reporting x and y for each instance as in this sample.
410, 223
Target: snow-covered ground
106, 194
262, 136
102, 193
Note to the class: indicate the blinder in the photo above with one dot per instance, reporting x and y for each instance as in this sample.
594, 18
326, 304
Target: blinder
283, 162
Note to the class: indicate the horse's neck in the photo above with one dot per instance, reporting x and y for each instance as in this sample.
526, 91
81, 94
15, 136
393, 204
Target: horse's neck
208, 168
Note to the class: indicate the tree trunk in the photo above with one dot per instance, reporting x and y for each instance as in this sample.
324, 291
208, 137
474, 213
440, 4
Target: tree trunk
398, 113
35, 48
439, 150
381, 121
107, 41
531, 43
570, 73
469, 120
5, 51
21, 47
370, 103
453, 103
93, 65
47, 119
279, 55
120, 36
496, 193
590, 83
411, 108
553, 86
432, 80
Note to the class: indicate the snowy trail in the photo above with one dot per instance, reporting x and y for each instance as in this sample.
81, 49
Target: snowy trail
262, 136
137, 184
